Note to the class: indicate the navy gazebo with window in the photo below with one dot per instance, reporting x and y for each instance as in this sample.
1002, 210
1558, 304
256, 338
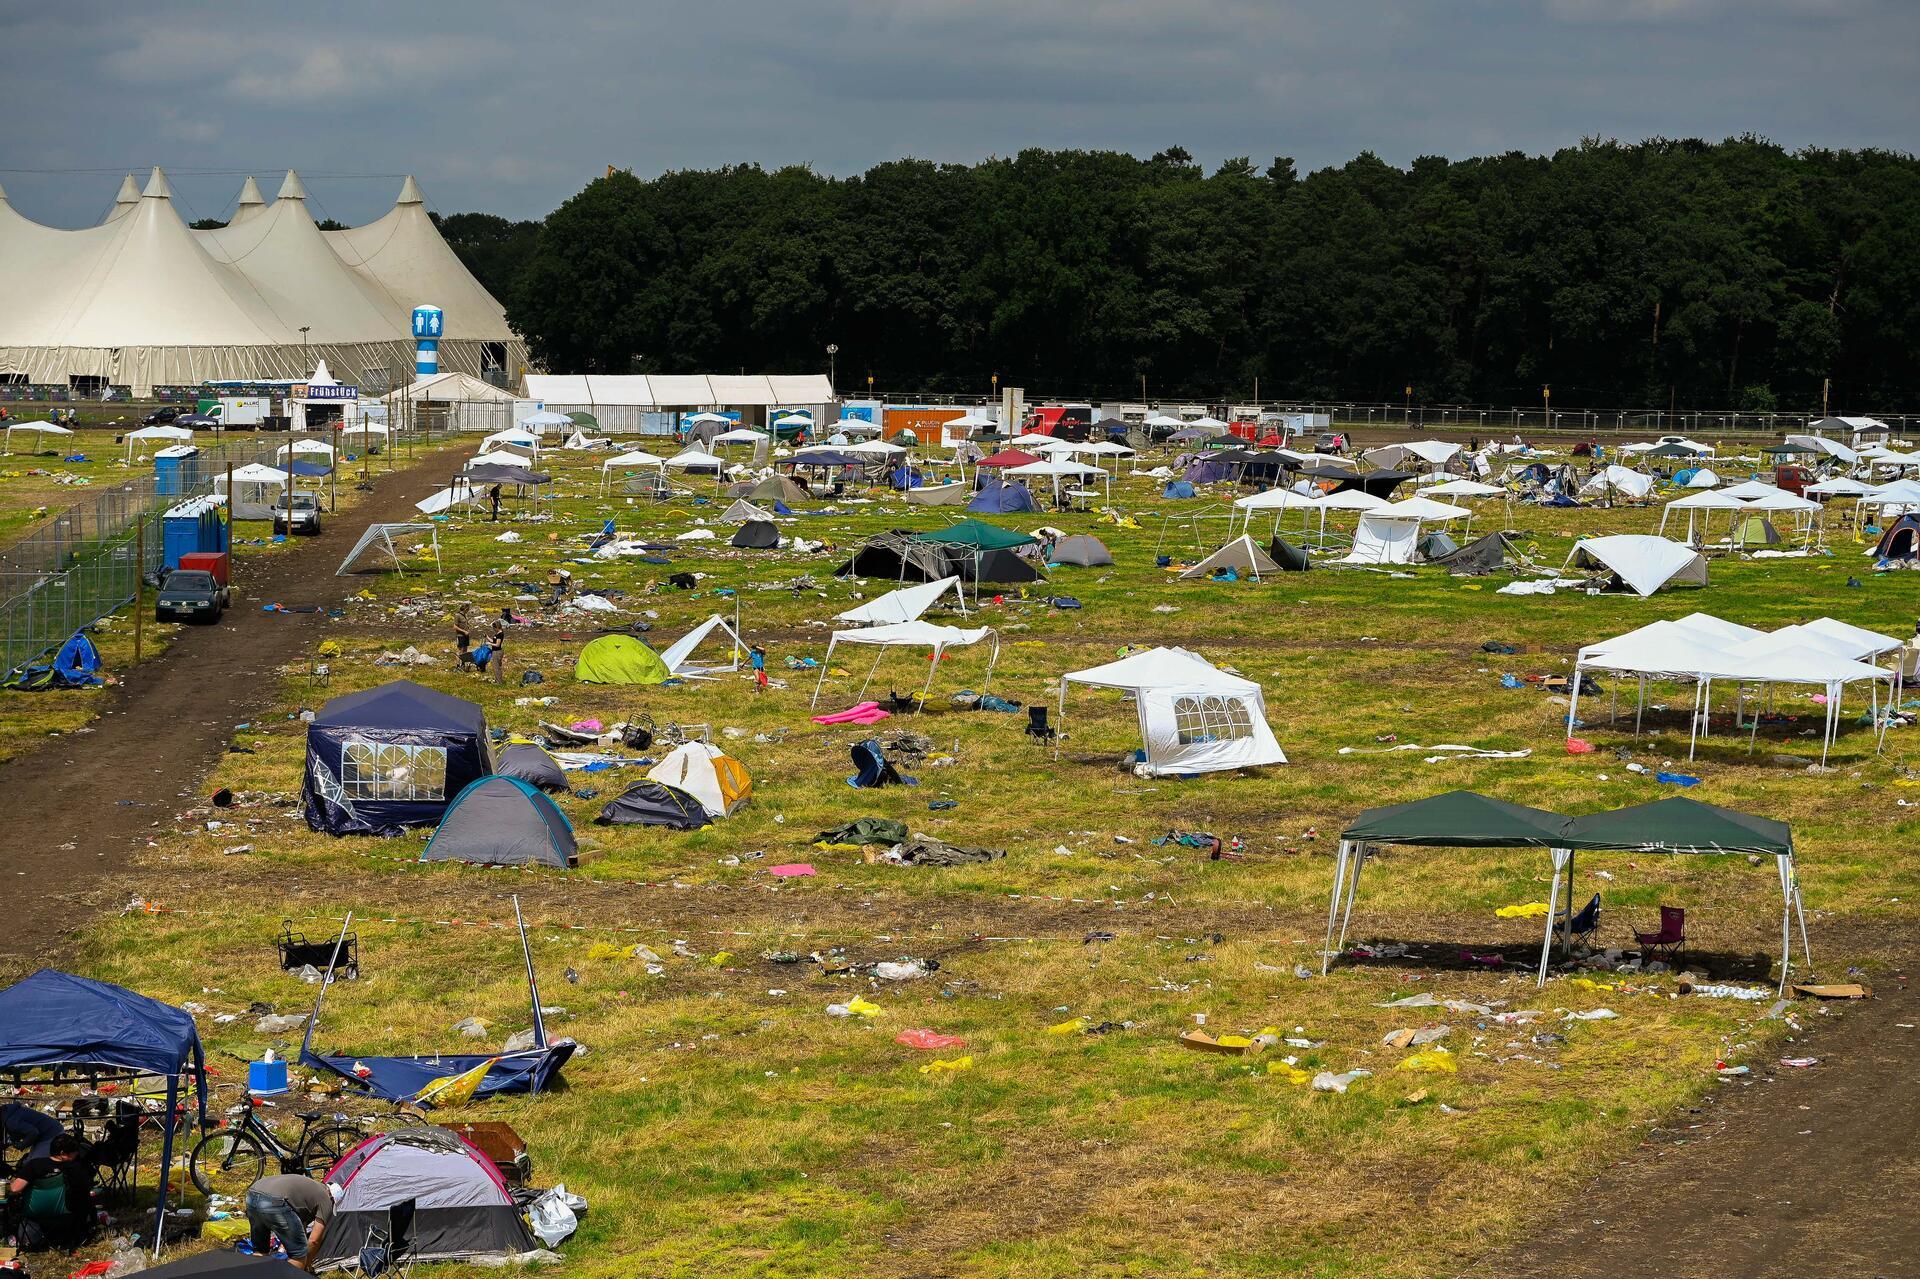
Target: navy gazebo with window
390, 757
58, 1027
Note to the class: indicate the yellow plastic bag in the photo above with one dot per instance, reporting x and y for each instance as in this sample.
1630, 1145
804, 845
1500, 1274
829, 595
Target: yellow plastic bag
455, 1090
860, 1007
1434, 1061
226, 1230
1526, 910
1292, 1074
1076, 1026
947, 1067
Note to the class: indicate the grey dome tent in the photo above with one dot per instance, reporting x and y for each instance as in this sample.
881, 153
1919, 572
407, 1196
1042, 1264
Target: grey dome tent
650, 803
1487, 554
503, 821
529, 763
1436, 546
462, 1209
778, 488
756, 535
1081, 551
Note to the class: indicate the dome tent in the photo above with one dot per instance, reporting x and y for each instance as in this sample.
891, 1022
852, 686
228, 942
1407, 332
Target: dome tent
719, 781
651, 803
529, 763
756, 535
388, 758
462, 1208
1081, 551
503, 821
620, 659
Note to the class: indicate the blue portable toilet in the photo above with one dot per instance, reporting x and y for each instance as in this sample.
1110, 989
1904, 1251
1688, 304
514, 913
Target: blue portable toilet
199, 524
170, 469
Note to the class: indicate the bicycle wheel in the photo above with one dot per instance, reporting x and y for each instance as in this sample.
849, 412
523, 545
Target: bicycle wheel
324, 1146
226, 1162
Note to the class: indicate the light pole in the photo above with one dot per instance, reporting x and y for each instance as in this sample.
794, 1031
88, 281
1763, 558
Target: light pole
306, 351
833, 350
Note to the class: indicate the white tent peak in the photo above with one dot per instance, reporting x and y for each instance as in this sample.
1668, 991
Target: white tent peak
292, 188
157, 188
410, 192
129, 195
250, 192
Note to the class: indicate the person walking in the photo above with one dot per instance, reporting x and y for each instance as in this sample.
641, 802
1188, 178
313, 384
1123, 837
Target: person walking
462, 633
295, 1209
497, 641
758, 657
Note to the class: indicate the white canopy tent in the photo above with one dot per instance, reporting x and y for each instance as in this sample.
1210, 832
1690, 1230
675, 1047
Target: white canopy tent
1277, 500
384, 542
1434, 453
309, 447
1642, 562
904, 605
678, 655
1630, 484
1464, 488
626, 462
543, 420
1194, 717
1058, 469
171, 434
914, 634
39, 430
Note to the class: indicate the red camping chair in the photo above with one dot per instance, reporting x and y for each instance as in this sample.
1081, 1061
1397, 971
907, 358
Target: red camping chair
1672, 934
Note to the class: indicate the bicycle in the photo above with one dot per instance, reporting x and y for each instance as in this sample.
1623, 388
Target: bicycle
230, 1159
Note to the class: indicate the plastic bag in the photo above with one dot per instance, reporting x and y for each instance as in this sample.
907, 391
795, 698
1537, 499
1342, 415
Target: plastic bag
928, 1040
552, 1217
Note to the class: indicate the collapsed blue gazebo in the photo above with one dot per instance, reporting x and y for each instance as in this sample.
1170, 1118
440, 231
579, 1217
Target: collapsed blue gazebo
58, 1026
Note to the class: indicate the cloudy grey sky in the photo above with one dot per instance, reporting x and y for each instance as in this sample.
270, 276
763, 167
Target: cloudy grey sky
511, 107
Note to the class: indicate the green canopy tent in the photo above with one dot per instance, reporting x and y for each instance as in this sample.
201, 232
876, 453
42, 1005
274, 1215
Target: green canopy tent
1463, 819
989, 545
1456, 819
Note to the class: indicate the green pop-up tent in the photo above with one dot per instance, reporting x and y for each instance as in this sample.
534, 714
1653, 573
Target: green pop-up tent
978, 534
620, 659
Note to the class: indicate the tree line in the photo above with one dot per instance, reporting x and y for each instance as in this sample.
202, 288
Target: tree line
1730, 274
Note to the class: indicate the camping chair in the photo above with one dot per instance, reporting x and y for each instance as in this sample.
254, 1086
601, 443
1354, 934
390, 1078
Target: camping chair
1671, 937
874, 769
44, 1218
1037, 725
390, 1251
114, 1154
1584, 926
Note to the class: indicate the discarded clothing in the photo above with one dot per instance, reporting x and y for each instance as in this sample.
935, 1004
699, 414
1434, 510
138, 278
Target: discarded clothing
863, 714
865, 830
925, 850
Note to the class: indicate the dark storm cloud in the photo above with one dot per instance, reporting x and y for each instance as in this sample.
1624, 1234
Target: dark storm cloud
511, 107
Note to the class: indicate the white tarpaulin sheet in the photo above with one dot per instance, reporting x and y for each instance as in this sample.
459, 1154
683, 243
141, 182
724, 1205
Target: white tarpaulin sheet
1643, 562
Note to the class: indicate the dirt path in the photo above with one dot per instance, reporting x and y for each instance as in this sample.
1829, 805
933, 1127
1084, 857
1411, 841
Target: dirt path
1800, 1174
77, 806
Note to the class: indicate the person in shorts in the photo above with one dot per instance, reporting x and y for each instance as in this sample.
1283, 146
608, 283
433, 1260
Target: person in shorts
294, 1209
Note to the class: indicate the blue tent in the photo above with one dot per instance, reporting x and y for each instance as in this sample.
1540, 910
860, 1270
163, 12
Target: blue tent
905, 477
54, 1019
1207, 471
388, 758
503, 821
1177, 489
312, 469
1002, 499
77, 663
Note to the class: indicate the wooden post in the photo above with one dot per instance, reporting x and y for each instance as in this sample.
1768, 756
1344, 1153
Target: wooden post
139, 584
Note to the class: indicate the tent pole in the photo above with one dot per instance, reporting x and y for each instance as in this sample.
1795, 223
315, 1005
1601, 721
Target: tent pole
166, 1165
933, 666
992, 659
1800, 913
824, 663
1560, 856
1573, 702
1693, 737
533, 985
1359, 864
1782, 863
1333, 904
1639, 705
1566, 931
1060, 717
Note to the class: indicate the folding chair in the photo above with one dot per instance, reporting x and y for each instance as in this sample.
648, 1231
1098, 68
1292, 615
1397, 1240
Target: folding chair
113, 1155
1671, 937
390, 1251
1586, 925
1037, 725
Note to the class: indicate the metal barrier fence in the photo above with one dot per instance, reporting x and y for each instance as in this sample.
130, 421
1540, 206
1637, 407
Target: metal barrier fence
86, 562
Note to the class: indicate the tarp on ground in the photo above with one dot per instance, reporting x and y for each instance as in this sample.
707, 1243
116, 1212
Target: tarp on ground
620, 659
1678, 824
1462, 819
503, 821
530, 764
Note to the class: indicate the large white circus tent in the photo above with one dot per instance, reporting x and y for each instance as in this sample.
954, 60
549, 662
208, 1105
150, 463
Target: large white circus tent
143, 301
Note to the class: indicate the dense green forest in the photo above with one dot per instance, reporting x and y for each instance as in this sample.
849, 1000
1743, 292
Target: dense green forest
1733, 274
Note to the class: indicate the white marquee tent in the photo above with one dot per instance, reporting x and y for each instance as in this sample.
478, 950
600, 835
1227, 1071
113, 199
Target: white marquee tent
915, 634
1194, 717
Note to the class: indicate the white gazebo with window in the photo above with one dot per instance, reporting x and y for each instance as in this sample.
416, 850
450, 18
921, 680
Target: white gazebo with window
1194, 717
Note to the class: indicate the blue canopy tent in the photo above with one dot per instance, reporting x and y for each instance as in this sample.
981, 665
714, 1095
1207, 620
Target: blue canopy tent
417, 1079
390, 757
66, 1026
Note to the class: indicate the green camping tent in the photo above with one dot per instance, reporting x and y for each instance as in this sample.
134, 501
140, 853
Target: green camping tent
620, 659
1752, 531
978, 534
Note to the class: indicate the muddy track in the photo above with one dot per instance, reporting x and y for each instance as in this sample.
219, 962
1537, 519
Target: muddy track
79, 805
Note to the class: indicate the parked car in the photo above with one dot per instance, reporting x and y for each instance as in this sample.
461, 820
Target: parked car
305, 515
162, 416
190, 595
1793, 479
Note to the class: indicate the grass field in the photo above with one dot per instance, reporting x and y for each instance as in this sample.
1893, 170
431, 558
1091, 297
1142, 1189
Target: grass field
721, 1123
